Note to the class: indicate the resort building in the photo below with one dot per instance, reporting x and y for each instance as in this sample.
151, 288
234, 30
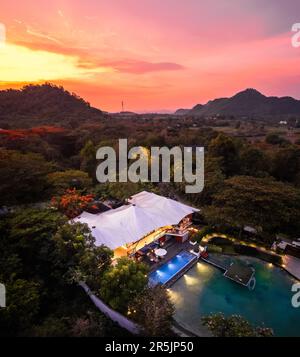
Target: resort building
143, 227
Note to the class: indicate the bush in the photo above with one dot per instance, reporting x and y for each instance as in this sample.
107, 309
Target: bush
220, 241
197, 237
275, 139
211, 248
253, 252
61, 181
234, 326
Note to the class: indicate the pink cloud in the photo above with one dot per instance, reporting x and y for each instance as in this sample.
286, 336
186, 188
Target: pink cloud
141, 67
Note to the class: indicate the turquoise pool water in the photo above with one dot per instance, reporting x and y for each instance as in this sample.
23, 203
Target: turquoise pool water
204, 290
168, 270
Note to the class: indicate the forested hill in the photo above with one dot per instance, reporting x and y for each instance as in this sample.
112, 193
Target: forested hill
249, 102
45, 104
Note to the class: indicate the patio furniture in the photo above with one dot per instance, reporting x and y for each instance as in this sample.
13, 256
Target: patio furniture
139, 256
153, 258
160, 252
193, 242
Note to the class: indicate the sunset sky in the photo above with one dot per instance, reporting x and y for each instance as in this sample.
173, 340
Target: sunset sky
153, 54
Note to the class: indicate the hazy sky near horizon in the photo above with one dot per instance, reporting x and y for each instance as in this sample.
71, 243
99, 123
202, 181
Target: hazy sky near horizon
152, 54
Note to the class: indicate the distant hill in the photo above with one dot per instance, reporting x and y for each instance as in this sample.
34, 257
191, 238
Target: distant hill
249, 102
45, 104
182, 111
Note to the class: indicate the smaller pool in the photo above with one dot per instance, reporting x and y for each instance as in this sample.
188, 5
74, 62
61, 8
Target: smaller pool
168, 270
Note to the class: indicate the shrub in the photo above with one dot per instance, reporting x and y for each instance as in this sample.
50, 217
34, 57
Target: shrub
211, 248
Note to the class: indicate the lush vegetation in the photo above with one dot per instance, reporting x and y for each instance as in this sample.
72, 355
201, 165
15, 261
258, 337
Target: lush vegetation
42, 259
122, 283
233, 326
153, 310
48, 140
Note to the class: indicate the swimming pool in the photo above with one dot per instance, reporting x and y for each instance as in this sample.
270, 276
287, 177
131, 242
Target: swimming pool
168, 270
204, 290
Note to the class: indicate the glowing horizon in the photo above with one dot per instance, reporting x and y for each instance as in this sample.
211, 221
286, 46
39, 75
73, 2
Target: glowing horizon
152, 55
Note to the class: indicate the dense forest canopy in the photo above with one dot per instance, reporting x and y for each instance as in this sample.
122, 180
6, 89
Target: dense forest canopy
48, 141
43, 104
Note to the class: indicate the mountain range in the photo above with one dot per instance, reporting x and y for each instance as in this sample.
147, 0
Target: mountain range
249, 102
48, 104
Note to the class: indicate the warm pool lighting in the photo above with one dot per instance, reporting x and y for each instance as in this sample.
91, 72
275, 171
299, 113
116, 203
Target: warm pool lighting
190, 280
202, 267
168, 270
270, 265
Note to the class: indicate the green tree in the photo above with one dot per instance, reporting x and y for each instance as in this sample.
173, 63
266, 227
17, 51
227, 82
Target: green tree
275, 139
286, 164
122, 283
153, 310
75, 249
233, 326
88, 159
62, 180
42, 258
258, 202
213, 181
23, 177
121, 190
254, 162
226, 149
29, 235
23, 304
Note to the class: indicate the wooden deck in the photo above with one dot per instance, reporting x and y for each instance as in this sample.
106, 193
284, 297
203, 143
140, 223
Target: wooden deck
172, 248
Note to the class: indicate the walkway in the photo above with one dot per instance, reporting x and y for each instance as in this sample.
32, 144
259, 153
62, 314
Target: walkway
292, 265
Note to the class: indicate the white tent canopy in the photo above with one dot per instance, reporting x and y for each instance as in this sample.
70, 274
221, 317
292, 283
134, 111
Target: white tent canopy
145, 213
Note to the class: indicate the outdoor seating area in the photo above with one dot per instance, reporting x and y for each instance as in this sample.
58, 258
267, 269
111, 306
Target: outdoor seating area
154, 260
152, 252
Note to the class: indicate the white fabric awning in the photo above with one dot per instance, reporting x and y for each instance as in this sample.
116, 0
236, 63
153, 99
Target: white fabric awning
145, 213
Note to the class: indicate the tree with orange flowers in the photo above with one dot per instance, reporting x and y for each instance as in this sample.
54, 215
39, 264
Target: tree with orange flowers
72, 202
